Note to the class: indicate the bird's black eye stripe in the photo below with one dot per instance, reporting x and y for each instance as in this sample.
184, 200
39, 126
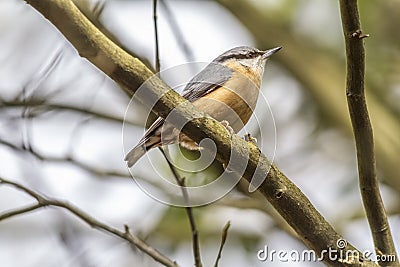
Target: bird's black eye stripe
240, 55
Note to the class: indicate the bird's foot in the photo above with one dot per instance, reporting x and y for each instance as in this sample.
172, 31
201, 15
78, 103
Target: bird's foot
250, 138
226, 168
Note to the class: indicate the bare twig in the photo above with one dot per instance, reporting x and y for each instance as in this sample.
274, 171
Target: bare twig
26, 125
32, 85
189, 211
41, 105
178, 178
94, 15
362, 129
70, 160
257, 203
19, 211
76, 163
180, 39
156, 36
224, 235
45, 201
73, 243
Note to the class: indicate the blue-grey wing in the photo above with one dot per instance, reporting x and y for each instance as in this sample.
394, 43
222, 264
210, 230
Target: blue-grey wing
210, 78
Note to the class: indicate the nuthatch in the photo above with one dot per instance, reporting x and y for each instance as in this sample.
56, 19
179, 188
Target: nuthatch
227, 89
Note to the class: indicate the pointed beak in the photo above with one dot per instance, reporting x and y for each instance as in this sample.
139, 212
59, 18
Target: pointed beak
270, 52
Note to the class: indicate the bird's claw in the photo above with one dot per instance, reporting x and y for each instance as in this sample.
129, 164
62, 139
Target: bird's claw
226, 168
250, 138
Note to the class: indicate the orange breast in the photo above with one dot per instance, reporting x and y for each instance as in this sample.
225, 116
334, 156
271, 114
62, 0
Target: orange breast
235, 102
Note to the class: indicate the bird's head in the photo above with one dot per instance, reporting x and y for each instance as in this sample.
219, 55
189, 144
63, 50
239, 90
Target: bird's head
246, 56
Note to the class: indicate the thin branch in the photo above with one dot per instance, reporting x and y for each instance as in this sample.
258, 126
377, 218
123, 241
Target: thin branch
324, 86
362, 129
156, 36
83, 166
70, 160
224, 235
25, 122
39, 105
73, 243
19, 211
285, 196
257, 203
180, 38
94, 15
32, 85
189, 211
178, 178
126, 235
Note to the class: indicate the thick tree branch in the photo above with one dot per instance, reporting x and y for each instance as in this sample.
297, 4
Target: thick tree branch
362, 129
289, 201
45, 202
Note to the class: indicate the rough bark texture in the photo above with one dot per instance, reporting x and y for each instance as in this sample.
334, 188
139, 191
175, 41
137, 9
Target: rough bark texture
362, 129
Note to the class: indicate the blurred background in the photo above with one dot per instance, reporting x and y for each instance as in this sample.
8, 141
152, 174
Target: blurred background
61, 128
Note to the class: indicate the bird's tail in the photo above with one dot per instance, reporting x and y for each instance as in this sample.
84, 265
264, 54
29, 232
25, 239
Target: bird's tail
135, 154
140, 149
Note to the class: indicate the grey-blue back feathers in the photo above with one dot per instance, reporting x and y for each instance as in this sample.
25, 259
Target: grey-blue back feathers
210, 78
216, 73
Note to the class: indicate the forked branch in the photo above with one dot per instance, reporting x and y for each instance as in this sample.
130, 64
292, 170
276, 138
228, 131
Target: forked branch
43, 201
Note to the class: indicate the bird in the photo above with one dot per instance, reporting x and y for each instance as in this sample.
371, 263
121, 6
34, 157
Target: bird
226, 89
